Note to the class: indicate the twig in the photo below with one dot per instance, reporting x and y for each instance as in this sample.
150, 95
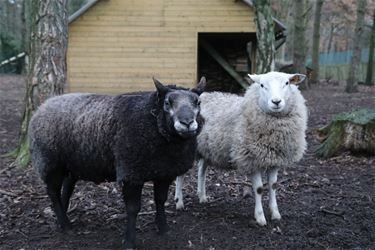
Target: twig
324, 210
19, 231
8, 193
72, 209
146, 213
12, 165
153, 211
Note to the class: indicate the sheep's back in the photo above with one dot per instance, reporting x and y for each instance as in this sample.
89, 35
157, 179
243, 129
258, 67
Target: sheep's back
72, 130
220, 111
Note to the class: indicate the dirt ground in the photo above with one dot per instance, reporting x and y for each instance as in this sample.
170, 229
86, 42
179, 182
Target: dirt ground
325, 204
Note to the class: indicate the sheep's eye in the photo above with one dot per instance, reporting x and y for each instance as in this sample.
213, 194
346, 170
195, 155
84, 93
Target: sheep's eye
166, 102
262, 85
286, 83
196, 100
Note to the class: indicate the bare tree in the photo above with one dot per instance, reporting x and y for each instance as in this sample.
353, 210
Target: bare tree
265, 54
370, 63
47, 68
352, 81
299, 41
316, 41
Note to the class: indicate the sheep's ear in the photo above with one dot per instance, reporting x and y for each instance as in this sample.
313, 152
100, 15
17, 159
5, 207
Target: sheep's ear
200, 86
296, 78
254, 77
161, 89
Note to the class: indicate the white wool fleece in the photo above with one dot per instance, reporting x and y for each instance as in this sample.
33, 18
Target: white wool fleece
238, 134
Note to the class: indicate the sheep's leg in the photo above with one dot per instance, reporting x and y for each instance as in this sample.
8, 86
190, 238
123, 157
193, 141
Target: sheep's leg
68, 188
160, 196
258, 190
272, 182
132, 197
202, 167
178, 196
54, 182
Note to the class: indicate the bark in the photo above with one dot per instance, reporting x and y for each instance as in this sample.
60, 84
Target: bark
265, 53
329, 46
47, 67
299, 42
316, 41
352, 81
354, 131
370, 63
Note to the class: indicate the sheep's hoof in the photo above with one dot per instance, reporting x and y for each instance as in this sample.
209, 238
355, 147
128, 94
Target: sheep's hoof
64, 226
203, 198
179, 204
276, 216
261, 221
163, 230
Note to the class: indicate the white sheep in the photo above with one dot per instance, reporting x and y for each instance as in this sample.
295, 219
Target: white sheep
261, 131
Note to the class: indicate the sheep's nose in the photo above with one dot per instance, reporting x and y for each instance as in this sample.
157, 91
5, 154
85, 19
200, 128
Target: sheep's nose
186, 122
276, 101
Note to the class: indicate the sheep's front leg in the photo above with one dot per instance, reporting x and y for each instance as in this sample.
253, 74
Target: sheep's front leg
258, 190
202, 167
272, 181
132, 197
178, 196
160, 196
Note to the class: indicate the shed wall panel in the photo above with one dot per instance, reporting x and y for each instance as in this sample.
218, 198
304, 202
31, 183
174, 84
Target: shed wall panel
119, 45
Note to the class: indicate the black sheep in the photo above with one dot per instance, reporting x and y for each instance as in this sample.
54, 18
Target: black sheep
130, 138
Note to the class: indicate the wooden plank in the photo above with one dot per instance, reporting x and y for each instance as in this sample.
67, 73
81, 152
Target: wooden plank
224, 64
168, 12
115, 39
175, 22
249, 27
135, 60
230, 17
129, 52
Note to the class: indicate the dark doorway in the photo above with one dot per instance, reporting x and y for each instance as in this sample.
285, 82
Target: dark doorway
219, 54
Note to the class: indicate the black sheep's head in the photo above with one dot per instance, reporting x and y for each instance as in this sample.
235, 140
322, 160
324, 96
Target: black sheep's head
181, 107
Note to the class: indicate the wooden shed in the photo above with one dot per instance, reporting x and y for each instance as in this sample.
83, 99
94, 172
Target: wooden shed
119, 45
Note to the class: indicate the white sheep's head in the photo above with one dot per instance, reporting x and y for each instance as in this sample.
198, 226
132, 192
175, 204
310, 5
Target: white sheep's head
275, 90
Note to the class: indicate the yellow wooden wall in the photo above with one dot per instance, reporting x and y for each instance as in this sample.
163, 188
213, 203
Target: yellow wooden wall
118, 45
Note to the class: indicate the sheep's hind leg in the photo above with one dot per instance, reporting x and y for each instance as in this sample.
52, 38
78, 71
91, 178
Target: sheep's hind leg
272, 181
178, 196
132, 197
258, 190
54, 182
202, 167
160, 196
68, 188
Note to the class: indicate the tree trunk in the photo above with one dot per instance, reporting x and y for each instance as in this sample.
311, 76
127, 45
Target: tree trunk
299, 42
352, 81
370, 63
47, 67
265, 53
316, 41
329, 45
353, 131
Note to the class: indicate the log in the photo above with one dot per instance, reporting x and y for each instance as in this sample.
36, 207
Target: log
353, 131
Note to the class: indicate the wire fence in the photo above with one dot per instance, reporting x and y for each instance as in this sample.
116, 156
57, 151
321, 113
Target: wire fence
335, 65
